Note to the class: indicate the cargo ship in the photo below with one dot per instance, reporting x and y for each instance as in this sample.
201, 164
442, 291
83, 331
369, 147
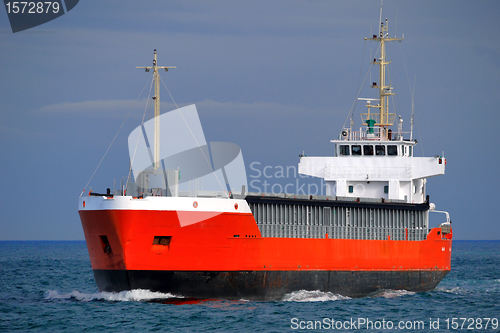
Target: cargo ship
184, 222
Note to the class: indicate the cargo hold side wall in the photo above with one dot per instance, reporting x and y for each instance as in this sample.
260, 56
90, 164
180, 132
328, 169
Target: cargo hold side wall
293, 218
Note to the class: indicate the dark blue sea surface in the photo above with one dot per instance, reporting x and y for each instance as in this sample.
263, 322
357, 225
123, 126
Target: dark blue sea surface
49, 286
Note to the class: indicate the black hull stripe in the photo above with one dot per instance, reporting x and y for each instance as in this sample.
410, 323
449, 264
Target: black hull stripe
266, 285
336, 203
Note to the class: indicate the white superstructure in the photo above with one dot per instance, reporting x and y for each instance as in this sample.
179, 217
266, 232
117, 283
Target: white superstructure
375, 162
366, 174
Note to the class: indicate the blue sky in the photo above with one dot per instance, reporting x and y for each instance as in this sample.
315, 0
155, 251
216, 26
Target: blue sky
276, 77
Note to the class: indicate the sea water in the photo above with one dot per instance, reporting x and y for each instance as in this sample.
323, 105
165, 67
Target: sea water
49, 286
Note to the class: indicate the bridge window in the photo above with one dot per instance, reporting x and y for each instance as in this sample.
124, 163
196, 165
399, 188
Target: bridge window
411, 150
367, 150
380, 150
344, 150
351, 189
356, 150
392, 150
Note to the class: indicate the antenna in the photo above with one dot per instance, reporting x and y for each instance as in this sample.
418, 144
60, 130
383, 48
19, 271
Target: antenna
380, 19
351, 123
412, 117
400, 128
156, 99
368, 99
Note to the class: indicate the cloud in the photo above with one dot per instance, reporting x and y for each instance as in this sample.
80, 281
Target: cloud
206, 107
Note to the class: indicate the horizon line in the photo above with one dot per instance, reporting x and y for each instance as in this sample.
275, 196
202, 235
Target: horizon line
83, 240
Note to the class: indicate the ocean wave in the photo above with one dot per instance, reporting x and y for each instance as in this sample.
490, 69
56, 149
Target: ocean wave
389, 293
312, 296
135, 295
454, 290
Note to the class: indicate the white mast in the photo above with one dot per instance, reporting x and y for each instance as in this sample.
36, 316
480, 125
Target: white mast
412, 108
156, 98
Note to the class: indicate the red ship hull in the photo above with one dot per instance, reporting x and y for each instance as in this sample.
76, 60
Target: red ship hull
224, 255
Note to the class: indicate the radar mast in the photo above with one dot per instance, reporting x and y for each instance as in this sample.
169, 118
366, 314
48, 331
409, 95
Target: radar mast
385, 119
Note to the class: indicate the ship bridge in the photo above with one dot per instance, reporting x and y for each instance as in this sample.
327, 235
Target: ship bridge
374, 169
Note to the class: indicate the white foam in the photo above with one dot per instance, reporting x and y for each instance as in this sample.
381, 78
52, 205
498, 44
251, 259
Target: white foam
312, 296
455, 290
389, 293
135, 295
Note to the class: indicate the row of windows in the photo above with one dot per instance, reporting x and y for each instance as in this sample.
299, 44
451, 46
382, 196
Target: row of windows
369, 150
